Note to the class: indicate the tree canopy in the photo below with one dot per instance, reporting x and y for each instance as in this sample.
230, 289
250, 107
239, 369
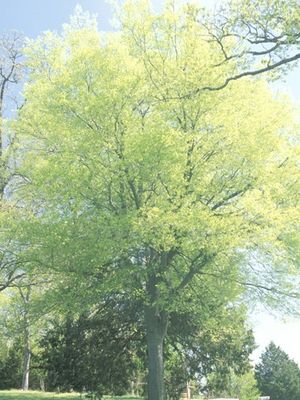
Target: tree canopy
194, 184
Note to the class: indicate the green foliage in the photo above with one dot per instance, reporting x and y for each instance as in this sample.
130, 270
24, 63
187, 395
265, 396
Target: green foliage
277, 375
247, 387
241, 386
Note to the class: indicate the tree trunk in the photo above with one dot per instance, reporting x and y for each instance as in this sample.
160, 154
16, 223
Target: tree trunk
26, 326
26, 363
156, 328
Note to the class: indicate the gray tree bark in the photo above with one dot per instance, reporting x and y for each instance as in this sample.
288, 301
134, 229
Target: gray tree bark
156, 327
156, 322
25, 295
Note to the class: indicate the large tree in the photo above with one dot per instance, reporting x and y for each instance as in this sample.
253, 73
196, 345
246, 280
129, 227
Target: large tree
145, 180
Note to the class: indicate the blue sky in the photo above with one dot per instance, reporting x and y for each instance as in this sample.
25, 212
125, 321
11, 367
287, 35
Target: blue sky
35, 16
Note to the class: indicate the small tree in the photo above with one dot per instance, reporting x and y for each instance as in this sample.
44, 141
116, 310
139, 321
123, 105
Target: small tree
277, 375
231, 384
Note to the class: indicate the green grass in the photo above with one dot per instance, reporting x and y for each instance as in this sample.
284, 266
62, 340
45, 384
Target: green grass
35, 395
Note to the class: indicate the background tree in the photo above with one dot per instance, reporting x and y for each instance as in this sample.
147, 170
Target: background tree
230, 384
20, 327
138, 189
92, 353
198, 345
11, 70
11, 73
11, 366
277, 375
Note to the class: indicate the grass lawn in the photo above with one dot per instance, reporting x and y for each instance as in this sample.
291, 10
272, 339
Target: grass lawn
34, 395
